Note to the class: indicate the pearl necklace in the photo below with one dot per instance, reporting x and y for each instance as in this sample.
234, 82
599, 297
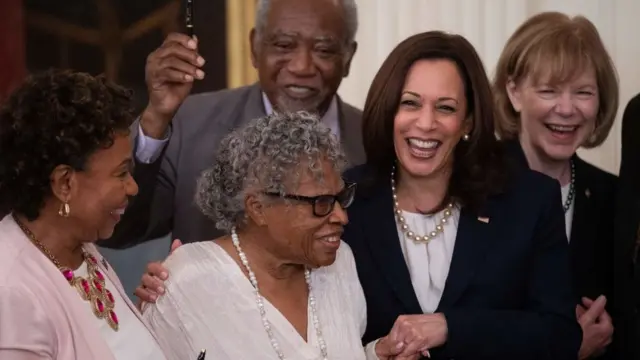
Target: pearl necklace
572, 189
260, 302
402, 222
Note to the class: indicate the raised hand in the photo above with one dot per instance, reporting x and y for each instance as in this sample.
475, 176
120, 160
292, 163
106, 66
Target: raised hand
170, 72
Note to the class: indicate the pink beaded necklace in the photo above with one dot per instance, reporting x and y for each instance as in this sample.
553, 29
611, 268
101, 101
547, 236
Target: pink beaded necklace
92, 289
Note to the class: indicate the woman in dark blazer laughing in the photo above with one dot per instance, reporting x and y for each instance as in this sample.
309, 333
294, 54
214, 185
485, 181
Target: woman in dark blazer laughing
458, 254
546, 111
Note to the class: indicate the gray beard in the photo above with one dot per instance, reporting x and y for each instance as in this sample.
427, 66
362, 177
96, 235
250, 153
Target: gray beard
286, 104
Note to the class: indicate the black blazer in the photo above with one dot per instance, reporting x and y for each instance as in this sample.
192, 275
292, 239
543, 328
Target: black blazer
508, 294
626, 274
591, 242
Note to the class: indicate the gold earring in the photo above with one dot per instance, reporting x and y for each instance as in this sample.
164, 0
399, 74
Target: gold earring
64, 210
465, 137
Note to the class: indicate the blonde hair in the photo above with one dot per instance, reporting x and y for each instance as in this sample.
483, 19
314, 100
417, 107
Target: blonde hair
554, 45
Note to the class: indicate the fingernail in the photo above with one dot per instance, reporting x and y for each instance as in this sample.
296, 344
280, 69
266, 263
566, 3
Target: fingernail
188, 77
191, 44
200, 60
161, 290
153, 298
400, 345
164, 275
199, 74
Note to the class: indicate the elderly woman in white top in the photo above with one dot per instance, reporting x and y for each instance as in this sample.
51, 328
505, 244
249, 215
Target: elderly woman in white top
281, 284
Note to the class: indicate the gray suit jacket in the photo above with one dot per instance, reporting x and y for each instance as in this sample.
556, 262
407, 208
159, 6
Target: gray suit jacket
165, 202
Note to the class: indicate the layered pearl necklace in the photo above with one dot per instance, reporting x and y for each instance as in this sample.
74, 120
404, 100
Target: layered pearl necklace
403, 224
260, 302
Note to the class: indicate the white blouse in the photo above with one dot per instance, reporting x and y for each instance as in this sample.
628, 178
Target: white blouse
429, 263
132, 340
568, 215
210, 304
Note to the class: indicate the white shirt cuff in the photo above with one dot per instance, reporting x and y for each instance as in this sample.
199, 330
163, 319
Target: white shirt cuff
370, 350
148, 149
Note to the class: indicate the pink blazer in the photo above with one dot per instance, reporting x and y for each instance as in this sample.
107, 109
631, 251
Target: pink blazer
41, 316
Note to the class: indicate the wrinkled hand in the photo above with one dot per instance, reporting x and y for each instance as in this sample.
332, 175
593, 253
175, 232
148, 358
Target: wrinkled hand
597, 327
419, 333
170, 72
387, 349
152, 283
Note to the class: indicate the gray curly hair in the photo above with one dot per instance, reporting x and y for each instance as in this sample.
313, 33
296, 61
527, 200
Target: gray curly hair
266, 154
348, 6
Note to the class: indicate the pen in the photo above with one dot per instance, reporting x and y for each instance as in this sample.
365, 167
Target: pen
188, 18
203, 352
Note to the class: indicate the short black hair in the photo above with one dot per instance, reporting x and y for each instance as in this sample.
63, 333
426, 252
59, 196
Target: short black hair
55, 117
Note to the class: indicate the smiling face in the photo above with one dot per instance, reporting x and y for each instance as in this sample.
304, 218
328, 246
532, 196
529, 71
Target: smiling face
556, 119
431, 118
98, 195
296, 234
301, 54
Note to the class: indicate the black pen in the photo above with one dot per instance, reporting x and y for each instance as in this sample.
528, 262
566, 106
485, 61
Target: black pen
203, 352
188, 18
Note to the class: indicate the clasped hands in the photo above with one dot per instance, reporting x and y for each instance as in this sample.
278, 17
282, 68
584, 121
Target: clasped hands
412, 336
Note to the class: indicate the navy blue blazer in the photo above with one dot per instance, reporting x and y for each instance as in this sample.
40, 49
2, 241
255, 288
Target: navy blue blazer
508, 294
591, 243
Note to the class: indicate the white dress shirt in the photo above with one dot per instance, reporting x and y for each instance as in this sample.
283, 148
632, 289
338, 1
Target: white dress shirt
429, 264
149, 149
568, 215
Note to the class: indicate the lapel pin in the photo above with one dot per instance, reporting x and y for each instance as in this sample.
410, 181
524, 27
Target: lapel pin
483, 219
587, 193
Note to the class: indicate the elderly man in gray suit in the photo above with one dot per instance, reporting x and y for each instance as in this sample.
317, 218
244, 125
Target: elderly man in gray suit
301, 48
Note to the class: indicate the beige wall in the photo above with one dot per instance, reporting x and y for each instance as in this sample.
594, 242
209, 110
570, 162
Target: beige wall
240, 20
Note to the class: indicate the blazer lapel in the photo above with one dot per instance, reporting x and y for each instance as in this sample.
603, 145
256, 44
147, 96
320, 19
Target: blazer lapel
252, 106
385, 249
475, 235
581, 208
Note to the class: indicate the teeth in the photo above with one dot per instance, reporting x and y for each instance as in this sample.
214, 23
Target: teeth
332, 239
424, 144
562, 128
300, 89
118, 212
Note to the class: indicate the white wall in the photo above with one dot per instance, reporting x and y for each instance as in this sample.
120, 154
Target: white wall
487, 24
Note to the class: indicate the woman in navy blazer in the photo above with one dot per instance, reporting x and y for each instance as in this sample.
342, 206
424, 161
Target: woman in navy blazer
459, 255
549, 108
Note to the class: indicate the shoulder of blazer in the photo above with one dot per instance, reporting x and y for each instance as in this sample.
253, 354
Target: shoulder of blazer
527, 188
594, 177
349, 111
223, 105
630, 123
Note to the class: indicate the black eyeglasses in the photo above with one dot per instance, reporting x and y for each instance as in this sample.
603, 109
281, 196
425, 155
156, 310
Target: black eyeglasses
323, 204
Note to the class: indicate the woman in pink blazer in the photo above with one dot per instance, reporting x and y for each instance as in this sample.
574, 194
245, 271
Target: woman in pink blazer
65, 179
